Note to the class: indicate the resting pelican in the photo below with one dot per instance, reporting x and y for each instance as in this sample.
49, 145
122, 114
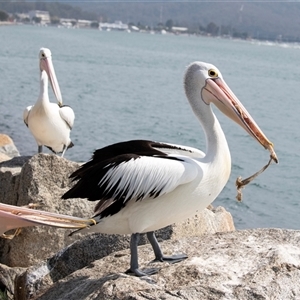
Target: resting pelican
49, 123
144, 186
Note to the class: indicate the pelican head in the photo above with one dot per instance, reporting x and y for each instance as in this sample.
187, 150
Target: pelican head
47, 66
215, 90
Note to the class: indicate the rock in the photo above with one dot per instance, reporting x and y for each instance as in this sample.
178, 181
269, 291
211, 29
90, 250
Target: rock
4, 157
7, 280
7, 147
248, 264
41, 180
210, 220
9, 179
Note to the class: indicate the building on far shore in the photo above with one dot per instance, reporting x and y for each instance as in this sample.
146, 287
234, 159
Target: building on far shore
179, 29
22, 16
40, 14
117, 25
84, 23
68, 22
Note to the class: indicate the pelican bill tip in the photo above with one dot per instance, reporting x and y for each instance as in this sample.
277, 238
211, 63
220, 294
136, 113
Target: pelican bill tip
273, 155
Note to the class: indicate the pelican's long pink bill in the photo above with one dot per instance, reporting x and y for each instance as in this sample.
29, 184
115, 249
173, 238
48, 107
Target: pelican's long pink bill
12, 217
221, 95
47, 65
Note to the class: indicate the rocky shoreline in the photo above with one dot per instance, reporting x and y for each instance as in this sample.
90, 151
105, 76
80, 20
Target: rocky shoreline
45, 263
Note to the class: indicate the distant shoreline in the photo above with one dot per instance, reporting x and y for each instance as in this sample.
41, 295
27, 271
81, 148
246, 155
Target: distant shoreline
7, 23
262, 42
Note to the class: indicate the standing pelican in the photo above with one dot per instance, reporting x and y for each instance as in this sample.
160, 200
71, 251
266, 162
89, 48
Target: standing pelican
144, 186
49, 123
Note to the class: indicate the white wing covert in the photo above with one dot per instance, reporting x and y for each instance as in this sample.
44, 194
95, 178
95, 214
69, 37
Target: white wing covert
181, 150
146, 176
26, 114
67, 114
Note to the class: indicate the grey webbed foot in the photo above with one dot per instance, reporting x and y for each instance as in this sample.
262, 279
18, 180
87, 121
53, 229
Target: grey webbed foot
173, 259
134, 266
142, 272
158, 253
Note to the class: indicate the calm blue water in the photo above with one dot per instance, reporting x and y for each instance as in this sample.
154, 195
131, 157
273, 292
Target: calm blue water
129, 86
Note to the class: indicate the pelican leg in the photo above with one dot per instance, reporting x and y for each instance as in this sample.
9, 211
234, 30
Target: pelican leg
64, 150
158, 253
134, 265
40, 149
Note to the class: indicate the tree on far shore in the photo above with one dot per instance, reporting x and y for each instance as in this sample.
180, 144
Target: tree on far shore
212, 28
37, 20
3, 16
169, 24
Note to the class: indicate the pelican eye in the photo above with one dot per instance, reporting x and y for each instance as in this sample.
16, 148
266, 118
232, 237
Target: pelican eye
213, 73
43, 54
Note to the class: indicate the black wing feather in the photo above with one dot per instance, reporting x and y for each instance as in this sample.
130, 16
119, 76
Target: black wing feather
91, 173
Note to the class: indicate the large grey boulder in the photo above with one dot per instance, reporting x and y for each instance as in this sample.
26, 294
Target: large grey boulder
248, 264
41, 180
7, 281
